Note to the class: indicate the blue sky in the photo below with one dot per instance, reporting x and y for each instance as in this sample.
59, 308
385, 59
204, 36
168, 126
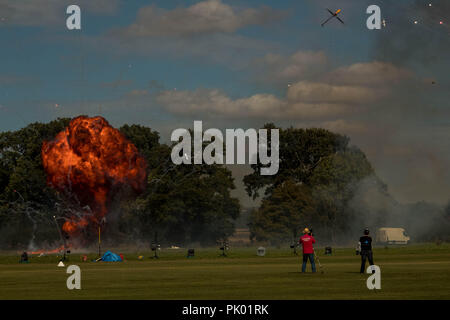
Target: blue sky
55, 60
236, 64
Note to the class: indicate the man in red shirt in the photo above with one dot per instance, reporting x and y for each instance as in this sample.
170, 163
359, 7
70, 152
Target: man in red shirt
307, 241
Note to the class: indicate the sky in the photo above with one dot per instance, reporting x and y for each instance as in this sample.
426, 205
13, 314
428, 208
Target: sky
241, 64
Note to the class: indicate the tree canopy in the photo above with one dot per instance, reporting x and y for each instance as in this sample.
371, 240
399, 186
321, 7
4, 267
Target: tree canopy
317, 178
182, 203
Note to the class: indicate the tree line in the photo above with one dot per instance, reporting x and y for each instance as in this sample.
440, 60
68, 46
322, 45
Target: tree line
323, 182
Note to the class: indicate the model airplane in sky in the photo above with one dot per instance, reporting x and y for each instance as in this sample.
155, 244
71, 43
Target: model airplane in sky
333, 15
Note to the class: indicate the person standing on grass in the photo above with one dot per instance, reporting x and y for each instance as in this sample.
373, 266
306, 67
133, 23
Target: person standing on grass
307, 241
365, 243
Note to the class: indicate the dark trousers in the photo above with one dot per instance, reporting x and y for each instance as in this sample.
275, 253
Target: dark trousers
366, 254
309, 256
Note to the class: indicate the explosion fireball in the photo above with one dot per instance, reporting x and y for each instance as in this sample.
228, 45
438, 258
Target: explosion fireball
92, 161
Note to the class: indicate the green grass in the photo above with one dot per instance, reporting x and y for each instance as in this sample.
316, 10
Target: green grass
407, 272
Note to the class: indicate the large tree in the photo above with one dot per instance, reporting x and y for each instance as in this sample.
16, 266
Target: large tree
313, 162
283, 213
182, 203
27, 203
300, 151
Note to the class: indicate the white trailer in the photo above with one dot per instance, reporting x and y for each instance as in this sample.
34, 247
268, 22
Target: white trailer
392, 236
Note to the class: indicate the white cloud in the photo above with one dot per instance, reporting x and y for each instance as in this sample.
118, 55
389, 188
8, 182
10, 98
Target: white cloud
287, 69
317, 92
206, 17
207, 101
375, 73
318, 101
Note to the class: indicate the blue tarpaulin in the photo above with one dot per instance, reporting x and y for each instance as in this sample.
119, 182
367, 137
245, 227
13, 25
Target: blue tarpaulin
111, 257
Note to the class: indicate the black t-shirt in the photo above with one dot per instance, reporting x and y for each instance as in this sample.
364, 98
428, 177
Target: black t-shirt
366, 243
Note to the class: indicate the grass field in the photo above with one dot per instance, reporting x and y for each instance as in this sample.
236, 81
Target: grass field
407, 272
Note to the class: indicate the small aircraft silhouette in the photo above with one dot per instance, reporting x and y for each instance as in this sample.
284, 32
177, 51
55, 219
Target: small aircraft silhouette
333, 15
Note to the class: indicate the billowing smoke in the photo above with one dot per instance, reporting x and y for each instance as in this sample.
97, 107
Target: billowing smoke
416, 32
374, 207
92, 162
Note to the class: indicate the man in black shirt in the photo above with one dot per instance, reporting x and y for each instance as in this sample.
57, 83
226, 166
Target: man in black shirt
366, 249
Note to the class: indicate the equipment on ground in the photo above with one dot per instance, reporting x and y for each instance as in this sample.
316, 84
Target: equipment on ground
190, 253
261, 251
111, 257
24, 257
294, 246
318, 261
328, 251
224, 247
66, 255
155, 246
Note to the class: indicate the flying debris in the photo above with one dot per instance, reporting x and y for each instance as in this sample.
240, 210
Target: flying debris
333, 15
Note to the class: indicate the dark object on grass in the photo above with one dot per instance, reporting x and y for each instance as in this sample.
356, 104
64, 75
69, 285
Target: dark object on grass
24, 257
294, 246
328, 251
110, 257
224, 247
190, 253
155, 246
261, 251
66, 255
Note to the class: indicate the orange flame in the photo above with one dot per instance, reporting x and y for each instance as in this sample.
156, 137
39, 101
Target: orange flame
57, 250
92, 160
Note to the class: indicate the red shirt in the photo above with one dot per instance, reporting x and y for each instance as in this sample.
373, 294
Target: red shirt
307, 243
